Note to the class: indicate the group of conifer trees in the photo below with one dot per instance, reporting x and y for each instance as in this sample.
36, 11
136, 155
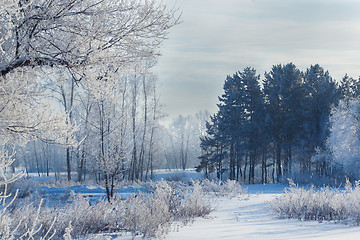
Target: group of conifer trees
268, 129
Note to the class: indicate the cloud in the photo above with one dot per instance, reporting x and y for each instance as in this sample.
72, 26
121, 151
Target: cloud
218, 38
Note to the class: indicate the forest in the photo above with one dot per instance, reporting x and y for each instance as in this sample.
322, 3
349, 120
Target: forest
292, 124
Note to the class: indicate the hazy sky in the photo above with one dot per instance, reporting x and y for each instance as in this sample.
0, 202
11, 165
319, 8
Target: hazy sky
219, 37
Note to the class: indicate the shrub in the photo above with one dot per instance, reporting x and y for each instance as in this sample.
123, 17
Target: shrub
13, 227
147, 214
324, 204
229, 188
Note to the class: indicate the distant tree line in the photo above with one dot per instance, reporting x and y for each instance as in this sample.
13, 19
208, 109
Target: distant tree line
269, 129
181, 140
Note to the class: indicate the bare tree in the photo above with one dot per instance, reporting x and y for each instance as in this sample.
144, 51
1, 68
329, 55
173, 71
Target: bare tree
73, 33
155, 116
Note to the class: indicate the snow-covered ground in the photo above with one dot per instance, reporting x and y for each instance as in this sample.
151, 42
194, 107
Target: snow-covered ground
243, 217
248, 217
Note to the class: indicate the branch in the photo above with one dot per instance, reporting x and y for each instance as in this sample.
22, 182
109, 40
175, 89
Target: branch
34, 62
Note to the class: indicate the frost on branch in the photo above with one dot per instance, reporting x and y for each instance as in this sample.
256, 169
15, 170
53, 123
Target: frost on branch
344, 138
27, 113
71, 33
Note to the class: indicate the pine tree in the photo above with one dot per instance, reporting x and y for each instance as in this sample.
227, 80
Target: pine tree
232, 117
287, 121
321, 94
212, 148
283, 90
254, 117
235, 130
349, 87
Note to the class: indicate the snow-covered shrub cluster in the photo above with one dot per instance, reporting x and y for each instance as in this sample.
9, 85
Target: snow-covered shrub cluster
11, 226
323, 205
229, 188
147, 214
194, 202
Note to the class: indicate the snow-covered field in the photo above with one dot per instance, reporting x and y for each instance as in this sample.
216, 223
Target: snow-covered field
251, 219
243, 216
248, 217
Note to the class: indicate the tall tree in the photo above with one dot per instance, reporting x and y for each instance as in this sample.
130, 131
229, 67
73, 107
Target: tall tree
283, 88
232, 117
237, 125
213, 152
321, 95
254, 110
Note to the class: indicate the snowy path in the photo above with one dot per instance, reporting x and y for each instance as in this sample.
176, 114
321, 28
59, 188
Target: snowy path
251, 219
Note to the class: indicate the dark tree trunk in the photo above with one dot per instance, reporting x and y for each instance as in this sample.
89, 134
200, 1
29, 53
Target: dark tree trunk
278, 162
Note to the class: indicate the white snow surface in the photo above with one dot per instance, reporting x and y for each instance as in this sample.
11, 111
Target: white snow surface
248, 217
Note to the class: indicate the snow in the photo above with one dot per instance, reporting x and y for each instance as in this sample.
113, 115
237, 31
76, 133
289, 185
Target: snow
243, 217
248, 217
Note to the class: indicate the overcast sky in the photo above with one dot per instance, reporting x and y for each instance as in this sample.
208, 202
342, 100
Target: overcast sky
219, 37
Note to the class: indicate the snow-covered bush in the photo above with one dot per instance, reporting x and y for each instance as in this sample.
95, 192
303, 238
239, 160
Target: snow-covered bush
152, 215
11, 225
194, 202
229, 188
323, 204
147, 214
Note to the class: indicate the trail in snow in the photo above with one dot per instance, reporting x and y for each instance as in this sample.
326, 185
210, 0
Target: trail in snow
240, 218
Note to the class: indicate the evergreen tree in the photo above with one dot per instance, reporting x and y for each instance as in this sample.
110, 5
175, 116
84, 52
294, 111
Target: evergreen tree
286, 121
283, 88
349, 87
236, 128
254, 118
212, 148
232, 117
321, 94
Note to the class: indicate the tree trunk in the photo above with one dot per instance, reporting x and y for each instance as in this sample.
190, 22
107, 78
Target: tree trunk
82, 164
134, 165
68, 110
149, 163
102, 150
37, 160
278, 162
142, 150
123, 129
263, 169
245, 166
68, 163
232, 162
80, 169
